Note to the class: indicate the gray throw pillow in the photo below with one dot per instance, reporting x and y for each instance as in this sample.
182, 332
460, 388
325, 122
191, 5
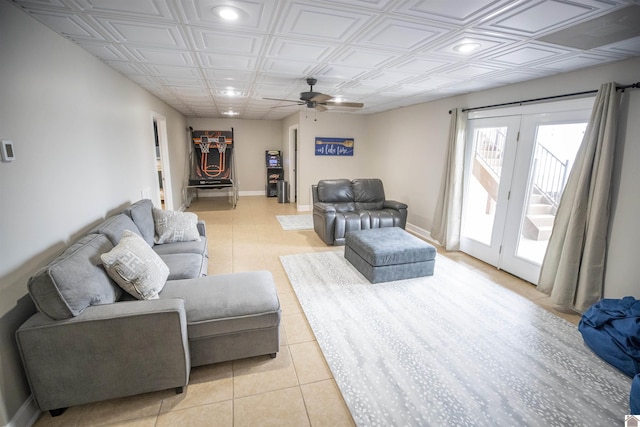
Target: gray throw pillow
134, 266
175, 226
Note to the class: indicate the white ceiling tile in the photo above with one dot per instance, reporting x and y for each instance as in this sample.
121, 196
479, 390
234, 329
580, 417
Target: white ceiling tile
515, 76
180, 82
388, 77
229, 75
226, 61
34, 4
162, 56
469, 71
126, 68
341, 72
432, 83
104, 51
173, 71
69, 25
157, 9
359, 57
575, 62
187, 92
401, 35
300, 50
537, 17
227, 41
157, 35
527, 54
368, 4
144, 80
224, 88
304, 20
418, 65
460, 12
296, 68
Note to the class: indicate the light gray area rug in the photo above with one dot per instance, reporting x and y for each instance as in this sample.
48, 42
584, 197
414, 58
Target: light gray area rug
296, 222
453, 349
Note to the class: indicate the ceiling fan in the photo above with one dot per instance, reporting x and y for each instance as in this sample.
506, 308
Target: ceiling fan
318, 100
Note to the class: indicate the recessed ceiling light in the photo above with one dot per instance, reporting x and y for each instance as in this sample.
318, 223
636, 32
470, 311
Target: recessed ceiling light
230, 113
227, 13
230, 92
467, 47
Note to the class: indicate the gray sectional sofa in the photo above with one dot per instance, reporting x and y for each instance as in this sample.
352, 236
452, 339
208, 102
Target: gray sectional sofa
91, 341
342, 205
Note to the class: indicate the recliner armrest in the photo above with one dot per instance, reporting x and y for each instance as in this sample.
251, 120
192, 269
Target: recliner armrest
324, 207
395, 205
108, 351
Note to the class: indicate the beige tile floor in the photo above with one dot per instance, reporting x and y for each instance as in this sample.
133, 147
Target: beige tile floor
294, 389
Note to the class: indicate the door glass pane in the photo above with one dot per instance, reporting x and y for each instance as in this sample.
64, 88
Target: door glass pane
484, 182
556, 146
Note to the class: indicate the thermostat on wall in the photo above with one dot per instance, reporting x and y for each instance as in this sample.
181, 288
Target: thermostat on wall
8, 154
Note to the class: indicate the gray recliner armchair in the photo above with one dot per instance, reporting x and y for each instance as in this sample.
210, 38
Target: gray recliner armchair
341, 205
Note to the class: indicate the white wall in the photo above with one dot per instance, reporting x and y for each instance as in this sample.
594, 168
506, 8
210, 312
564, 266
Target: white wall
251, 139
313, 168
410, 146
84, 147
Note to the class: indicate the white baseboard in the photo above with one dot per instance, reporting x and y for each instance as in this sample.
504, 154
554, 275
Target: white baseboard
251, 193
420, 232
26, 416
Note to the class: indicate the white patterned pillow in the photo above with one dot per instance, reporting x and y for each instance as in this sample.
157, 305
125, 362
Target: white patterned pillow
175, 226
134, 266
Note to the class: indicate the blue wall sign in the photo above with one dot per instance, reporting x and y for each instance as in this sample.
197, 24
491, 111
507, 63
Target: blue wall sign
334, 146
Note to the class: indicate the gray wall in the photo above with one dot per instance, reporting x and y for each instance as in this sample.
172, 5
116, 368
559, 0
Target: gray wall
84, 146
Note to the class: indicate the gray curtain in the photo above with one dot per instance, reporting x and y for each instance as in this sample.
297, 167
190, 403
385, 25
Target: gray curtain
572, 272
448, 215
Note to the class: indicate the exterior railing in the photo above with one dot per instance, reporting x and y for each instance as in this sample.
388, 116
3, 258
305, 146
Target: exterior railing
550, 175
490, 147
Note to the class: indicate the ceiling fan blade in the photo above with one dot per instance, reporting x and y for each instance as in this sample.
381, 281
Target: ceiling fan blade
321, 97
285, 100
285, 106
320, 107
345, 104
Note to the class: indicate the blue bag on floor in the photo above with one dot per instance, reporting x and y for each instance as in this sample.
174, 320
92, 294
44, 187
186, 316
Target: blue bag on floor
611, 328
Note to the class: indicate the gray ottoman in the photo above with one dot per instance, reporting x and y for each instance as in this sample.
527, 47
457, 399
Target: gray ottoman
386, 254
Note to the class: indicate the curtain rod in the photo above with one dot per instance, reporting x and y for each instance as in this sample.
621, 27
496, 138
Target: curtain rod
546, 98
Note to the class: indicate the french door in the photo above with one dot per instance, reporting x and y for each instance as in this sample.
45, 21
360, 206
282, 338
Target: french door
516, 168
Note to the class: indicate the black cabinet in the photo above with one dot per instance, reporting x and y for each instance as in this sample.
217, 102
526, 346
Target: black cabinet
275, 172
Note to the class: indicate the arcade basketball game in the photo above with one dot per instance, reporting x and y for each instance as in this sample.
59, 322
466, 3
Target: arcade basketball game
212, 161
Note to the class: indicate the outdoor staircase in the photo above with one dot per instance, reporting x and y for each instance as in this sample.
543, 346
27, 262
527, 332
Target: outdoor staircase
538, 221
542, 205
